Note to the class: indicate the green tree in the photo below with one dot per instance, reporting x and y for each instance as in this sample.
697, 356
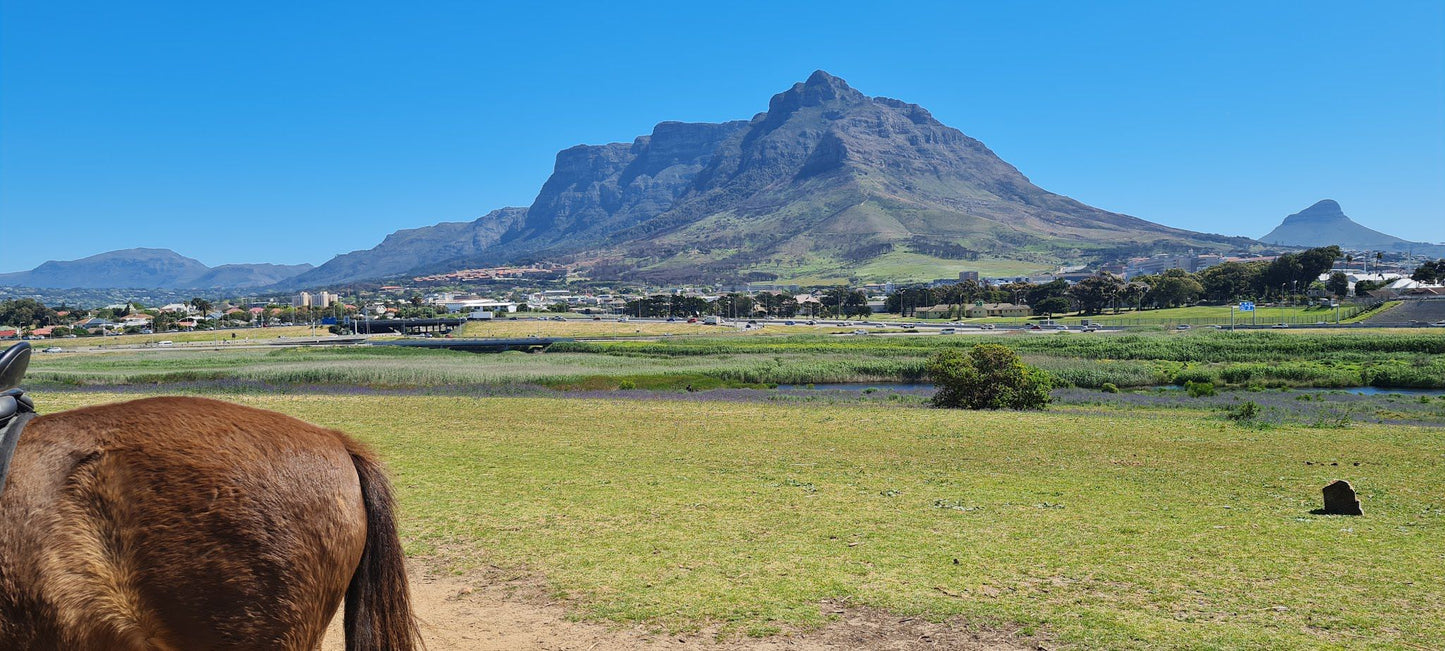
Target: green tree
1174, 287
1366, 286
1036, 294
1097, 292
1224, 283
1339, 284
1315, 262
23, 312
1430, 272
1051, 306
988, 376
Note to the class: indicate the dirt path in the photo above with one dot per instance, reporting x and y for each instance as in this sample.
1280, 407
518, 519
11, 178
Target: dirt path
485, 613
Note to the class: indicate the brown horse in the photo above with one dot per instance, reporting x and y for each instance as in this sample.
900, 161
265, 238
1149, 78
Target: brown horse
186, 523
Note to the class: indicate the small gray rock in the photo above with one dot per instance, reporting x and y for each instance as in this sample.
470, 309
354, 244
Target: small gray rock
1340, 499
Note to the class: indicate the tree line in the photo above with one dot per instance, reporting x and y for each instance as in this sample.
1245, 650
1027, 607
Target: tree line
1290, 274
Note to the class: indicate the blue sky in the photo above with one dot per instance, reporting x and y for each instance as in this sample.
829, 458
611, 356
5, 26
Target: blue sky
291, 132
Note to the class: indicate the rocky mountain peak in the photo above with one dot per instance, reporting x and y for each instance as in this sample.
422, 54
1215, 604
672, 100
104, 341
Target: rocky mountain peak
1325, 223
1323, 210
820, 88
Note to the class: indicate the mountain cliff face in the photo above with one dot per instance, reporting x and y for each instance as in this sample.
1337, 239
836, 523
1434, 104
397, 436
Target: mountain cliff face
148, 268
828, 182
1325, 223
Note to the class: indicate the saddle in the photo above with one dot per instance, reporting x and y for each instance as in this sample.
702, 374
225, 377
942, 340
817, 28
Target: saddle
16, 408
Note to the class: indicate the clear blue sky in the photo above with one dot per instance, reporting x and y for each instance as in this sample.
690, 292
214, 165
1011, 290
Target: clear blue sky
292, 131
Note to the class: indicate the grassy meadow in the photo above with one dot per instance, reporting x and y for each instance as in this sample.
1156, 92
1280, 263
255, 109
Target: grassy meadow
242, 335
1243, 360
608, 327
1093, 529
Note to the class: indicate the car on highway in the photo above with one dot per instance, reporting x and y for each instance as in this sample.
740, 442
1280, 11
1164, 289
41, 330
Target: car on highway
1279, 326
988, 326
1036, 327
1090, 328
812, 322
1182, 326
692, 319
53, 349
860, 331
790, 323
948, 331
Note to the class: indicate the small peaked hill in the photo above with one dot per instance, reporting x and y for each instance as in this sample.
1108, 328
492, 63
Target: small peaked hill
1325, 223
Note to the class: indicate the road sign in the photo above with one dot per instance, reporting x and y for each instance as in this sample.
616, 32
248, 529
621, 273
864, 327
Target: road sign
1246, 306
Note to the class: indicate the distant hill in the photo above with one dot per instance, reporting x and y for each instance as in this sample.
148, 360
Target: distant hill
828, 183
1325, 223
406, 250
148, 268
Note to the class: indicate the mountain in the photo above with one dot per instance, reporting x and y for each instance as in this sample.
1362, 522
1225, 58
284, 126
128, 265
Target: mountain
148, 268
1325, 223
827, 183
240, 276
409, 249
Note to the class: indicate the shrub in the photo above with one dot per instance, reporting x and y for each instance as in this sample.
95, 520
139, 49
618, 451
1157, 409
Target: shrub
989, 376
1199, 389
1245, 412
1109, 387
626, 385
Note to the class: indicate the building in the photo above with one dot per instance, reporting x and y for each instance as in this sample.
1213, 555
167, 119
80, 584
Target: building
1164, 261
964, 276
935, 312
320, 299
977, 311
479, 305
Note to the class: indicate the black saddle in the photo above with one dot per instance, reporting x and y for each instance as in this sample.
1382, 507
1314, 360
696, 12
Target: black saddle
16, 408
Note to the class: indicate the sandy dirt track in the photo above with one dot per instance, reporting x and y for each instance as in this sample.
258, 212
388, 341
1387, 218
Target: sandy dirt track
486, 613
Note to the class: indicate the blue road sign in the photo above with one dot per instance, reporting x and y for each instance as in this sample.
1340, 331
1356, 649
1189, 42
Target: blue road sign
1246, 306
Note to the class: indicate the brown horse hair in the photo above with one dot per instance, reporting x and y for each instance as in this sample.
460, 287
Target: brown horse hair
378, 613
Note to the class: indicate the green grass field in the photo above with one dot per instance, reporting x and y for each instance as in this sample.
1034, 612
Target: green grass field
584, 326
242, 335
1245, 359
1094, 529
1196, 315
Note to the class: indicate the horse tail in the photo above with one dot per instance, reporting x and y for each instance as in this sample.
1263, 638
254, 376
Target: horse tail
378, 607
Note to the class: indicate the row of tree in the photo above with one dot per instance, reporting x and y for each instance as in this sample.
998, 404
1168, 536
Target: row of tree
1288, 275
837, 302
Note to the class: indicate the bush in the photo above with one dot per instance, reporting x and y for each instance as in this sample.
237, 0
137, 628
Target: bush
1199, 389
989, 376
1245, 412
1109, 387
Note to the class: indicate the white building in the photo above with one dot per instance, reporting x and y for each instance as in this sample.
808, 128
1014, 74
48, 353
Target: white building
321, 299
